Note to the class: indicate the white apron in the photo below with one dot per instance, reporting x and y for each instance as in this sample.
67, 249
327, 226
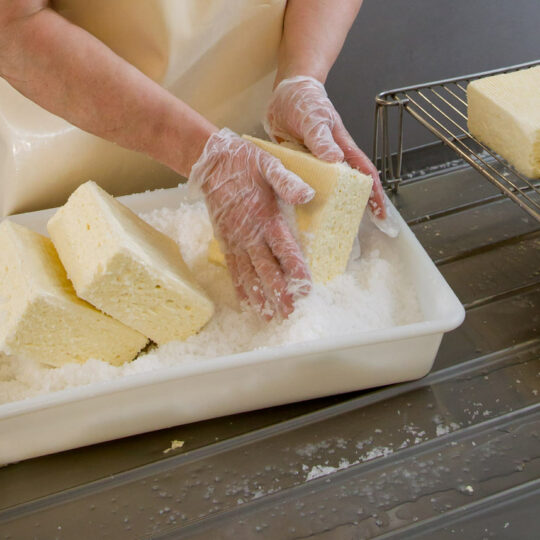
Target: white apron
219, 56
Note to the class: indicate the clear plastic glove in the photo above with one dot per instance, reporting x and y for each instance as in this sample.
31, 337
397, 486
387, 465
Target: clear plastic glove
300, 111
240, 182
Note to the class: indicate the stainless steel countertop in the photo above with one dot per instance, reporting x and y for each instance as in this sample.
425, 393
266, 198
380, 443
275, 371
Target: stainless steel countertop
456, 454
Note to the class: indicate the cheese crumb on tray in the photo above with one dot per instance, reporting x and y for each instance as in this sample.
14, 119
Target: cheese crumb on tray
40, 315
374, 293
504, 114
126, 268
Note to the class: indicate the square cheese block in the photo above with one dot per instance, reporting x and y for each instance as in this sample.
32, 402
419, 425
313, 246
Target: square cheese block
126, 268
504, 114
40, 315
328, 224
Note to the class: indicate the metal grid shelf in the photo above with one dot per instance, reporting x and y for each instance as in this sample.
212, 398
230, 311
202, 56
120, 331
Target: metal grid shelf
441, 107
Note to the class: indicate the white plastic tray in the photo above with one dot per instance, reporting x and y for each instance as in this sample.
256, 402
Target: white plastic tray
236, 383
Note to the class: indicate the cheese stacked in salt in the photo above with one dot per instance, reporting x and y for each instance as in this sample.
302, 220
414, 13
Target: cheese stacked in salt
126, 268
42, 318
328, 224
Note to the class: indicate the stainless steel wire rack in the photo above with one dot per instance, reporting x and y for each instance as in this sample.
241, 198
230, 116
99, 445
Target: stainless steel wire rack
441, 107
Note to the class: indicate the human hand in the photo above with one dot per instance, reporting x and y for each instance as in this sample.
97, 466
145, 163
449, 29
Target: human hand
240, 182
301, 111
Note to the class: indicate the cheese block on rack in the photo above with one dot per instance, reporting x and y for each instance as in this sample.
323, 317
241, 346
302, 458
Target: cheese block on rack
328, 224
40, 315
504, 114
126, 268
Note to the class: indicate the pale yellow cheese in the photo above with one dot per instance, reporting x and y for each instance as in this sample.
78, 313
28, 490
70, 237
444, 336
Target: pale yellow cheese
40, 315
215, 255
504, 114
328, 224
126, 268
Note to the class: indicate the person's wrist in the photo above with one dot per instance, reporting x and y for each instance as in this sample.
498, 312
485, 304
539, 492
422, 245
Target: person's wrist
180, 136
314, 70
197, 143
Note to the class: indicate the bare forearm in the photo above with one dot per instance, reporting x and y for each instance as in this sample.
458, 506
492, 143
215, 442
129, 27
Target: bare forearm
73, 75
314, 33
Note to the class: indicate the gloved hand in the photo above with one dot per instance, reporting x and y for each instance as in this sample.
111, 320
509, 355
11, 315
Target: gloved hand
240, 182
300, 111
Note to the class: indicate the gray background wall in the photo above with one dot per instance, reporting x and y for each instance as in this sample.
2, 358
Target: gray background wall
400, 42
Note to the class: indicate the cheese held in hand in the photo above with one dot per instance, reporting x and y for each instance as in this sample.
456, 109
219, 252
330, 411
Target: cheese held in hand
40, 315
504, 114
126, 268
328, 224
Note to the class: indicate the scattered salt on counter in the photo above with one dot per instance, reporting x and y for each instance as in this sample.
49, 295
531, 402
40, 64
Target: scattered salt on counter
373, 294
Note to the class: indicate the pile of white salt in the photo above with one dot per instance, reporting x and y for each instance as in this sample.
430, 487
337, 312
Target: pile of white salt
375, 293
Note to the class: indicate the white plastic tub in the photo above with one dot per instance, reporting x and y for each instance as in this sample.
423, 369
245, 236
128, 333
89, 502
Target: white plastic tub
237, 383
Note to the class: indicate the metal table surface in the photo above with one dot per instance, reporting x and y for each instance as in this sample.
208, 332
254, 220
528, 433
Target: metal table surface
456, 454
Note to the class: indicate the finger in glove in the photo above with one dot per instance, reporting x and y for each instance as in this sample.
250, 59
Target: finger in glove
272, 279
287, 185
286, 251
358, 160
248, 285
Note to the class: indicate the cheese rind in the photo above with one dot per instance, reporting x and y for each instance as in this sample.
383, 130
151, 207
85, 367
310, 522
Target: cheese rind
328, 224
126, 268
42, 318
504, 114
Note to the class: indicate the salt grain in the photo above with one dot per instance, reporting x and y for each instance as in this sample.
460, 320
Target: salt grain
375, 293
